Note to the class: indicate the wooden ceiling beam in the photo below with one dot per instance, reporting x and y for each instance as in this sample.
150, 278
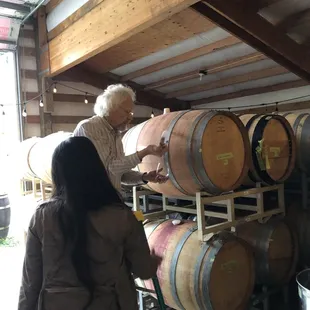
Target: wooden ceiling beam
219, 67
101, 81
108, 24
204, 50
51, 5
242, 78
294, 20
179, 27
259, 33
251, 92
284, 107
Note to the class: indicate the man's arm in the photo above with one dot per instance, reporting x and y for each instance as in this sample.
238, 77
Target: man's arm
133, 178
115, 166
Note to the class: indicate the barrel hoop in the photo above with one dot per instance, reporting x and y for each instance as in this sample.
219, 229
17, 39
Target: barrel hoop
189, 150
4, 228
252, 174
206, 275
174, 263
262, 261
166, 156
257, 136
297, 121
156, 226
29, 166
290, 145
201, 256
198, 158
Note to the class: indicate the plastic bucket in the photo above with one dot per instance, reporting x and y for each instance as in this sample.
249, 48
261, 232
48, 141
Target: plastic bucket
303, 281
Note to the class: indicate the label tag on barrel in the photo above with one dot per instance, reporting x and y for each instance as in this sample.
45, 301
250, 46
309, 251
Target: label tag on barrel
225, 157
259, 151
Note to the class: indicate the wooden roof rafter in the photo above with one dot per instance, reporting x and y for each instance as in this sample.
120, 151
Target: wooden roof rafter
207, 49
242, 78
219, 67
254, 30
153, 99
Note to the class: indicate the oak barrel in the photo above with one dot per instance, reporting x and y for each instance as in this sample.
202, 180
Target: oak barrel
300, 123
299, 220
273, 148
218, 275
40, 155
275, 249
21, 158
208, 151
5, 216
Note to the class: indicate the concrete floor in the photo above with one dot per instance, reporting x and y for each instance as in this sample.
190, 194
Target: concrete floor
11, 258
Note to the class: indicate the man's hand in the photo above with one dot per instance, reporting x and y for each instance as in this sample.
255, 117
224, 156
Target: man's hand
156, 150
155, 177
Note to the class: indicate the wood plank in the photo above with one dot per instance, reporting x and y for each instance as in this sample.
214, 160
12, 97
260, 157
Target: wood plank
29, 74
179, 27
242, 78
73, 98
51, 5
27, 33
84, 9
219, 67
27, 51
251, 92
104, 27
101, 81
71, 119
216, 46
259, 33
284, 107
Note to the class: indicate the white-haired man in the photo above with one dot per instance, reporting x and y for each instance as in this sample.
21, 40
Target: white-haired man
114, 110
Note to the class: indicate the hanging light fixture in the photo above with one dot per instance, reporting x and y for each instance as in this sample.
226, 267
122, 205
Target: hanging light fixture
24, 111
55, 89
86, 100
41, 102
152, 115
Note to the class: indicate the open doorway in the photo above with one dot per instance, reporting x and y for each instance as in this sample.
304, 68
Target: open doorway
11, 233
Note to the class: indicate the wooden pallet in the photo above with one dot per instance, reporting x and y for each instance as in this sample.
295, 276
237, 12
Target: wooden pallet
225, 203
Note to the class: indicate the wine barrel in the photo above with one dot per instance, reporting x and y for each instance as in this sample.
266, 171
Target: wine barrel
275, 249
273, 148
300, 123
218, 275
299, 220
21, 158
5, 216
208, 151
39, 156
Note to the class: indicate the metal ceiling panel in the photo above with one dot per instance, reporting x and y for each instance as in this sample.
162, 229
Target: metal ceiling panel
263, 64
195, 42
199, 63
242, 86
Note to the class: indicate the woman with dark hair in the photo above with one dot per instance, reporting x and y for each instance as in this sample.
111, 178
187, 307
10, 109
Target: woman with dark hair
83, 244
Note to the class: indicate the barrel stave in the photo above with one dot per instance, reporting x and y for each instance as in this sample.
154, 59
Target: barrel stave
5, 216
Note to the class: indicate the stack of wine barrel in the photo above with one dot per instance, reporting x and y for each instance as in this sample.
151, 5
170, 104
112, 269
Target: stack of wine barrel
212, 152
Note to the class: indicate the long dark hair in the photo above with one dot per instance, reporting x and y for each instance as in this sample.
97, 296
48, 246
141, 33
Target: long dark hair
81, 184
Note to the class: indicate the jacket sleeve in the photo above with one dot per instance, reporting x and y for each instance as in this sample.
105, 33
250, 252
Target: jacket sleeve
137, 251
32, 271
